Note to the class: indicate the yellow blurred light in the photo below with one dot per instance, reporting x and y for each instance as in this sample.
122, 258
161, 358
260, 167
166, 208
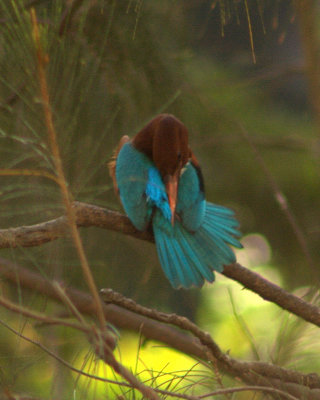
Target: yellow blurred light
156, 365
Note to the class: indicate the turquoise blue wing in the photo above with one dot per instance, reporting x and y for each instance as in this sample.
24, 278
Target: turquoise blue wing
191, 202
132, 177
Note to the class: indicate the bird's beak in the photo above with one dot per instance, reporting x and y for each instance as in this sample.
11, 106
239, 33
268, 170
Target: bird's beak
172, 192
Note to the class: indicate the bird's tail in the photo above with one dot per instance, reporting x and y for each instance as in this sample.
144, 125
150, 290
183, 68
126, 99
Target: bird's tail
190, 258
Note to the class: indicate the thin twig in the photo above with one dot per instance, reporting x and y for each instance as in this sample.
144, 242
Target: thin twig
42, 60
133, 382
9, 305
308, 13
103, 343
102, 336
69, 12
250, 372
61, 360
12, 98
250, 32
227, 362
28, 172
111, 296
66, 300
282, 202
136, 384
251, 389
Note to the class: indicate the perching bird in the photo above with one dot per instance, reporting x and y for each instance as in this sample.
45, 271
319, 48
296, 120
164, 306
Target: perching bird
160, 184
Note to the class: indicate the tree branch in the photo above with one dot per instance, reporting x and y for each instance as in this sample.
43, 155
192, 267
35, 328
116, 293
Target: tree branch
87, 215
266, 389
132, 316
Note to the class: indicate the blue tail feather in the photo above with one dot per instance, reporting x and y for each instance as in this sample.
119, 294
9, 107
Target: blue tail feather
227, 230
216, 256
178, 260
188, 258
215, 246
190, 275
225, 234
219, 210
227, 222
163, 256
187, 242
179, 273
170, 262
224, 226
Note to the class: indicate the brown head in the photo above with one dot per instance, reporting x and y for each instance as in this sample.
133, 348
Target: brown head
165, 141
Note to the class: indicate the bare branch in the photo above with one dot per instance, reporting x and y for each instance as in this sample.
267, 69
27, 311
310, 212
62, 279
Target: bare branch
228, 364
202, 346
274, 293
163, 392
87, 215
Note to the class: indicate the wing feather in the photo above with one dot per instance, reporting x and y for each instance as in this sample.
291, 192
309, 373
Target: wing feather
131, 173
191, 203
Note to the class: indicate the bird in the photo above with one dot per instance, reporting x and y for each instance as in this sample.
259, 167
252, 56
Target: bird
161, 187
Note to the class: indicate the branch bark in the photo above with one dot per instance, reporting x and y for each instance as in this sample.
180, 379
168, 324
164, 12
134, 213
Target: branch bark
88, 215
126, 314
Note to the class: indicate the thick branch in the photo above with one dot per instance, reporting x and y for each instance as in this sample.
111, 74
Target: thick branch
86, 215
118, 316
89, 215
200, 345
274, 293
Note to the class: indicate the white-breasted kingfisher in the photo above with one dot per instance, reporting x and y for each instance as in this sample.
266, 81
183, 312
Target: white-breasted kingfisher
160, 184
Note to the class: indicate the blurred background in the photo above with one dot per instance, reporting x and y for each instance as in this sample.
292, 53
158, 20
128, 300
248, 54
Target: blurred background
235, 72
